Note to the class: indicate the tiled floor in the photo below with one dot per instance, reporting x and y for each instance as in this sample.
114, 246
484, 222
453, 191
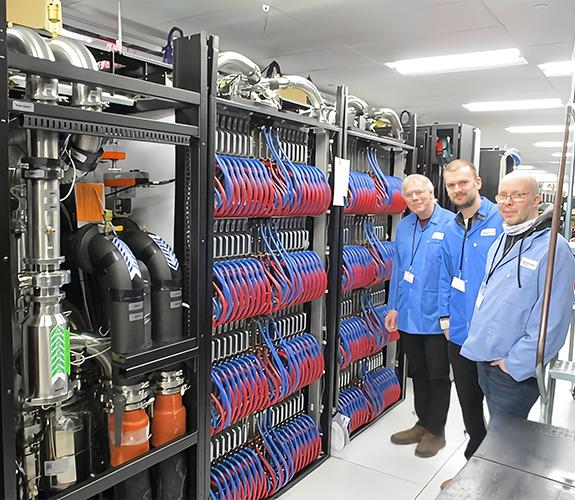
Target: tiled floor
370, 467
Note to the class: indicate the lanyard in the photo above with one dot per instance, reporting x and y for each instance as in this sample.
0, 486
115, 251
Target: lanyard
494, 266
463, 246
414, 252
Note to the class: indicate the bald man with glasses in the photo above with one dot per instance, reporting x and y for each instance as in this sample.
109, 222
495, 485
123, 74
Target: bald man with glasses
505, 326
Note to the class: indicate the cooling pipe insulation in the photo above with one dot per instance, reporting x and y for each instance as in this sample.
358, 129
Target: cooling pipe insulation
234, 62
121, 285
84, 149
166, 281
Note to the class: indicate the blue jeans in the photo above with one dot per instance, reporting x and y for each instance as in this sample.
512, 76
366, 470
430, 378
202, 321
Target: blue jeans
505, 396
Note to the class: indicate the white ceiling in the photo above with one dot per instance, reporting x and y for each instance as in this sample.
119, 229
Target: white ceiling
343, 42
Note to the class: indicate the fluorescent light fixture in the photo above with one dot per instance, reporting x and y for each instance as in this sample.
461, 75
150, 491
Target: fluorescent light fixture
458, 62
536, 129
551, 144
546, 177
558, 68
558, 155
524, 167
513, 105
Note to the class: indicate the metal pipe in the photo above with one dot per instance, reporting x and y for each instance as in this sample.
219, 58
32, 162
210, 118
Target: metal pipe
299, 82
84, 149
390, 116
540, 359
238, 63
359, 106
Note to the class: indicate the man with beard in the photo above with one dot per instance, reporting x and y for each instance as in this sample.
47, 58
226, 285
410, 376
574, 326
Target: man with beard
467, 239
505, 327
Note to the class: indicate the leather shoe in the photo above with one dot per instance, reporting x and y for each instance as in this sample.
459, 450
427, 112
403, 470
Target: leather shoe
409, 436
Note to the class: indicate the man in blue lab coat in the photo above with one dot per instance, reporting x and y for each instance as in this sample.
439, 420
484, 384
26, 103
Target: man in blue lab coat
467, 240
413, 310
505, 326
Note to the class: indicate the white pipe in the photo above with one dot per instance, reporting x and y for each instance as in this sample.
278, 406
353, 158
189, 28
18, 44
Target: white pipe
358, 105
390, 116
238, 63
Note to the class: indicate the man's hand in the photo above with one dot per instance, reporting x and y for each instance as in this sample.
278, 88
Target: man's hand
500, 363
446, 333
391, 320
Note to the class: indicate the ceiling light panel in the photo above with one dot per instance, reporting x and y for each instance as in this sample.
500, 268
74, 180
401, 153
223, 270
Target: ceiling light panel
470, 61
536, 129
558, 68
550, 144
513, 105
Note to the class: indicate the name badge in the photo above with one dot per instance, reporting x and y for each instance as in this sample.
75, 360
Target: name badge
409, 277
528, 263
488, 231
437, 236
480, 296
458, 284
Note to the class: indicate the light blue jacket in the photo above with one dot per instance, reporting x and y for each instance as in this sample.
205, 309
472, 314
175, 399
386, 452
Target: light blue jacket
456, 304
506, 323
416, 302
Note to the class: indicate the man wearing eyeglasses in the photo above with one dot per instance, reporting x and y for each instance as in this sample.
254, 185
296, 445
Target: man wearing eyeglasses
414, 282
505, 326
467, 239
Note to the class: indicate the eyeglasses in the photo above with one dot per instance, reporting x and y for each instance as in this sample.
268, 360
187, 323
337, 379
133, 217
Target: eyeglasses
513, 197
418, 192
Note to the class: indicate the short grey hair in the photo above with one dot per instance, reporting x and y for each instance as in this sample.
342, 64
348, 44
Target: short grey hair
419, 180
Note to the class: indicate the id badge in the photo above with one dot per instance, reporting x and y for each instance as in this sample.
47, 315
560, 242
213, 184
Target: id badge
458, 284
408, 276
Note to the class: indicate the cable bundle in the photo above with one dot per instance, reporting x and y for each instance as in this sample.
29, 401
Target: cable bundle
355, 341
301, 190
263, 468
242, 290
352, 403
388, 187
359, 267
362, 195
375, 321
381, 312
250, 383
243, 188
296, 277
382, 252
376, 391
381, 388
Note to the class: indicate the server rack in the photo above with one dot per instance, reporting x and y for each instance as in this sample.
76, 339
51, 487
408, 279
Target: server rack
241, 137
193, 70
395, 158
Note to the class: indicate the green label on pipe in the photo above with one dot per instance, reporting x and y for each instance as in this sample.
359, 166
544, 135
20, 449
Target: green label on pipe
59, 353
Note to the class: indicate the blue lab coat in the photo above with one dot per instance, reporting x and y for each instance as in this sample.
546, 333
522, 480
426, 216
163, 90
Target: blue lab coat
456, 304
506, 323
416, 303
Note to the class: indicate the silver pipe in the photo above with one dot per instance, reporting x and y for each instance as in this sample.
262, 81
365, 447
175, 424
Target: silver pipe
238, 63
44, 331
299, 82
88, 342
390, 116
85, 149
359, 106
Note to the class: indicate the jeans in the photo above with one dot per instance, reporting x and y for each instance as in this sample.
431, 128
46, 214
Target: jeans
428, 366
505, 396
470, 398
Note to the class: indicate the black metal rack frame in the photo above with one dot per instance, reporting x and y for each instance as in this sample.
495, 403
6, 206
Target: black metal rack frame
191, 96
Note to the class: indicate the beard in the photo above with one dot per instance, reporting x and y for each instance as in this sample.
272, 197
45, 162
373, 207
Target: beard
469, 201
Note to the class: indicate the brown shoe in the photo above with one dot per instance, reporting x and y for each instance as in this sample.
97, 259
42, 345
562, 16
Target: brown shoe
429, 445
410, 436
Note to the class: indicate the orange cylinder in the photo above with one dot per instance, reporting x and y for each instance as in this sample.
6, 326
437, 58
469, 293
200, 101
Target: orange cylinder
169, 421
135, 436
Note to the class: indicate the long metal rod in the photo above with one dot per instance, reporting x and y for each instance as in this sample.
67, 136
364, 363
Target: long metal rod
540, 360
